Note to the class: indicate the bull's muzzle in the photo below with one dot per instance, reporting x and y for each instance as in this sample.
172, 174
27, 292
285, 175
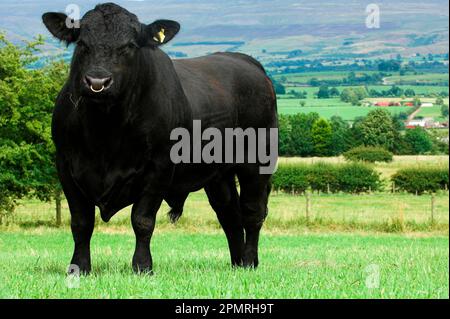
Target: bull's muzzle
98, 85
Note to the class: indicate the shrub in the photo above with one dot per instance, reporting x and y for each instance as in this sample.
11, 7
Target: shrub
369, 154
421, 180
348, 178
358, 178
323, 177
290, 178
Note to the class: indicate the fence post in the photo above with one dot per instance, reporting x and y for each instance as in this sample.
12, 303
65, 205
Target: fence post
58, 207
308, 204
433, 206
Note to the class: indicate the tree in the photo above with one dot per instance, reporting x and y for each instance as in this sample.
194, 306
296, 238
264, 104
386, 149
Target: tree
417, 102
377, 129
26, 105
444, 110
410, 93
349, 96
284, 135
334, 92
389, 65
419, 141
321, 133
279, 88
341, 139
440, 101
354, 95
324, 92
301, 139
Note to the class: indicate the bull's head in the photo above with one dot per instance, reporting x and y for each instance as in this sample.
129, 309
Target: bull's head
109, 42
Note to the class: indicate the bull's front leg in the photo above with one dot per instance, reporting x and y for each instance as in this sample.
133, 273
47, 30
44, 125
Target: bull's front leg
82, 222
143, 218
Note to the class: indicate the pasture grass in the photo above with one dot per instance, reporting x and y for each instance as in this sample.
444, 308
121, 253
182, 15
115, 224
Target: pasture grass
335, 253
373, 213
418, 78
378, 212
433, 112
190, 265
346, 111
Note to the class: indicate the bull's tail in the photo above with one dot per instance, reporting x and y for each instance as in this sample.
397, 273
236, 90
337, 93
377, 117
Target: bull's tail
175, 214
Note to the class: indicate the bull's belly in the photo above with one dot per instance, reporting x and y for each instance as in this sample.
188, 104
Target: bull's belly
190, 178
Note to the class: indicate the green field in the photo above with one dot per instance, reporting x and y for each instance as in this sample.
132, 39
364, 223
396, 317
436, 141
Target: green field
329, 255
434, 112
422, 79
418, 89
418, 78
304, 78
347, 112
197, 266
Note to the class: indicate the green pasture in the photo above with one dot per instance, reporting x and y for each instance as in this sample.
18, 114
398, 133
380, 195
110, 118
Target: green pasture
378, 245
197, 266
347, 112
418, 78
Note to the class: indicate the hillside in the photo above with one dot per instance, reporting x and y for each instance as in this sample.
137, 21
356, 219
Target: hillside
269, 30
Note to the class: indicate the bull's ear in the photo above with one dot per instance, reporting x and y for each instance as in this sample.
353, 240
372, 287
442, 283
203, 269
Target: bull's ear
160, 32
61, 27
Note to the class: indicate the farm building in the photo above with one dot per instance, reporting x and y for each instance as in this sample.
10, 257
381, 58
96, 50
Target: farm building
427, 104
386, 104
425, 123
428, 123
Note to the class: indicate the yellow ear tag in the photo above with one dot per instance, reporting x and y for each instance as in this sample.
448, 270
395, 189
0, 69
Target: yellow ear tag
160, 36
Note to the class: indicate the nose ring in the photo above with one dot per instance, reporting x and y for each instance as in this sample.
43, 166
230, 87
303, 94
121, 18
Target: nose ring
97, 91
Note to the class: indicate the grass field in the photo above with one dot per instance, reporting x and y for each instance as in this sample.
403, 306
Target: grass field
418, 78
434, 112
347, 242
346, 111
418, 89
327, 108
197, 266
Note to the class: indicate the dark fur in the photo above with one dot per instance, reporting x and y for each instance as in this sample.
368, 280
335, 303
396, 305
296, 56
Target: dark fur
113, 149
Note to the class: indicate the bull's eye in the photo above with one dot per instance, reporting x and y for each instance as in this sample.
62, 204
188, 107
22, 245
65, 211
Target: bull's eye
128, 48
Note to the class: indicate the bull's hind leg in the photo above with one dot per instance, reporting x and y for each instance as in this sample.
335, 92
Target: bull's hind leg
224, 199
255, 189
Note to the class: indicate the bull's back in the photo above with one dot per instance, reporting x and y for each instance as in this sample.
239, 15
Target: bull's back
228, 90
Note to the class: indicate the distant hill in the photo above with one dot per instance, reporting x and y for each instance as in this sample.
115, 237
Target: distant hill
260, 27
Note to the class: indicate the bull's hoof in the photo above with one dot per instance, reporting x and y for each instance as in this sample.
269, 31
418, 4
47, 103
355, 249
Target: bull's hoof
250, 263
79, 269
142, 265
143, 269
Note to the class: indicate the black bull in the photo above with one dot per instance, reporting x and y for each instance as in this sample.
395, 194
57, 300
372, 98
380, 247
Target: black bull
112, 124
